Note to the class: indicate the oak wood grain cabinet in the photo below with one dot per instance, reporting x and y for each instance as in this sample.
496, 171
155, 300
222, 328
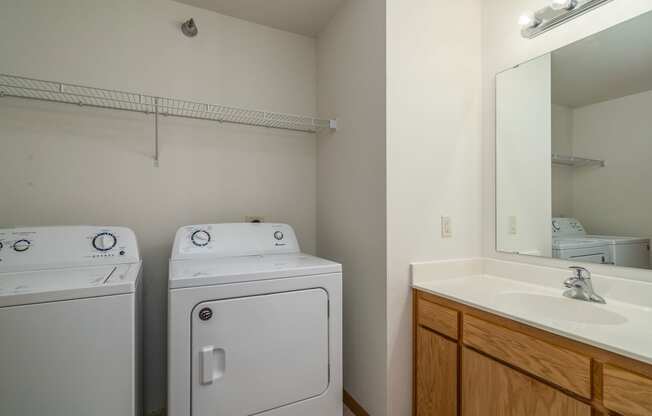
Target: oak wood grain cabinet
491, 388
436, 385
468, 362
627, 393
565, 368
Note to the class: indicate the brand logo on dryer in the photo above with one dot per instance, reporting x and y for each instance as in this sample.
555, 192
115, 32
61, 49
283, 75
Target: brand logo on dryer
278, 235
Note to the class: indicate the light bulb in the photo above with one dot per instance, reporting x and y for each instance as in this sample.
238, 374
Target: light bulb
563, 4
529, 20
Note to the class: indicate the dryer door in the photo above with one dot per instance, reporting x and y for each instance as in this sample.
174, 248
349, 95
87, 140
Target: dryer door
258, 353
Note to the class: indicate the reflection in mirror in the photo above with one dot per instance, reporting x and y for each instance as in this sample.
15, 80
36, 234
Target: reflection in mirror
574, 150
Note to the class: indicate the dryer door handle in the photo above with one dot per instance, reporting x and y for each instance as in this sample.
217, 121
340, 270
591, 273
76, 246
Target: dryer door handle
213, 364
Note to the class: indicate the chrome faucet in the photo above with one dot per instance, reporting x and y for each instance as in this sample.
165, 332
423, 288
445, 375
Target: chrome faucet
580, 286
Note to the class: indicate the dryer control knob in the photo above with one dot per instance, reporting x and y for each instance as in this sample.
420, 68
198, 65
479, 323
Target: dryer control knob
104, 241
200, 238
22, 245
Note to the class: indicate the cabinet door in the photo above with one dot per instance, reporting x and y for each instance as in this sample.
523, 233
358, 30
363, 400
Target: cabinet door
436, 380
493, 389
626, 392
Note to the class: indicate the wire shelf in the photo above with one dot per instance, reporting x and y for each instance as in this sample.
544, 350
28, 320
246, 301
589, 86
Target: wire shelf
21, 87
574, 161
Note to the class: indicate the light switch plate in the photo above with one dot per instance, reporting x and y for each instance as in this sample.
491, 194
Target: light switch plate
446, 227
513, 225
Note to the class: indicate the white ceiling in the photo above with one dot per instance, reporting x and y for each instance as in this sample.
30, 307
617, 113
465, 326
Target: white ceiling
305, 17
605, 66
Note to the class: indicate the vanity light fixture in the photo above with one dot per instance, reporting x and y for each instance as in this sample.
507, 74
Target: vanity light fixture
529, 21
563, 4
556, 13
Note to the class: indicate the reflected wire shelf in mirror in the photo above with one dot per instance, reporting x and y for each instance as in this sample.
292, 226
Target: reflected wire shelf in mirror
575, 162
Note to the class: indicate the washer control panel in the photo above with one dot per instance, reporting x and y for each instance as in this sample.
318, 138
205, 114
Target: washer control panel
567, 227
25, 248
235, 239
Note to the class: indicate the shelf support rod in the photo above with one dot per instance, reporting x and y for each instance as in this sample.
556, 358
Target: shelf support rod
156, 132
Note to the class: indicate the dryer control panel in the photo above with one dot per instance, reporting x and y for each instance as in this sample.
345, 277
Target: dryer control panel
236, 239
51, 247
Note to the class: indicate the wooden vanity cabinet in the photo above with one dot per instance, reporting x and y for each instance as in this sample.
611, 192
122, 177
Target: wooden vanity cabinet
436, 384
491, 388
469, 362
626, 392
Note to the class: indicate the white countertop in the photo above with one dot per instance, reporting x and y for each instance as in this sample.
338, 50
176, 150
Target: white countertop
620, 327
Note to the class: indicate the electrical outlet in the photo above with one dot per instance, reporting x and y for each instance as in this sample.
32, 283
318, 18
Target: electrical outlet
513, 226
446, 227
254, 218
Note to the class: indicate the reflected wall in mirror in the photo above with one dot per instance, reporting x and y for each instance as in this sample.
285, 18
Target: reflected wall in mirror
574, 150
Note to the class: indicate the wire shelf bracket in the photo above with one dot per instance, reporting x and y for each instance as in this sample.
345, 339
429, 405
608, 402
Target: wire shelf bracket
58, 92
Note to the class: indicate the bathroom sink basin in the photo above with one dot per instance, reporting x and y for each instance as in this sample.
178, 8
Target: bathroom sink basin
559, 308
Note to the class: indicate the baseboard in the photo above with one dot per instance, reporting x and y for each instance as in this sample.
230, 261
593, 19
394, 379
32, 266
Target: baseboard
354, 406
349, 401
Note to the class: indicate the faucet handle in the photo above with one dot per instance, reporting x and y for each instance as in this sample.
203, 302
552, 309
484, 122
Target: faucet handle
581, 273
571, 282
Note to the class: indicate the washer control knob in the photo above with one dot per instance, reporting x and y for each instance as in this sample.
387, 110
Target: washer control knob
104, 241
200, 238
278, 235
22, 245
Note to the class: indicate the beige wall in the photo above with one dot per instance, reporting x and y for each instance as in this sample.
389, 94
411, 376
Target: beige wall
68, 165
616, 199
503, 47
562, 176
351, 200
433, 155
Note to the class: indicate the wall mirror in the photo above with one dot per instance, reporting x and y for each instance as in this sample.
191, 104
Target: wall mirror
574, 150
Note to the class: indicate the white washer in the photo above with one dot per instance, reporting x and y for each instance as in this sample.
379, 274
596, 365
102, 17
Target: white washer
254, 325
569, 243
583, 250
69, 332
622, 251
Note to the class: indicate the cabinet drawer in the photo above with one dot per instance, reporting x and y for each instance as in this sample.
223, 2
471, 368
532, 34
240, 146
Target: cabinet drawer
626, 393
438, 318
554, 364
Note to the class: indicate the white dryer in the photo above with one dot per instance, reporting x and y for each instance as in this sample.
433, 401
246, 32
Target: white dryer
69, 321
622, 251
626, 251
254, 325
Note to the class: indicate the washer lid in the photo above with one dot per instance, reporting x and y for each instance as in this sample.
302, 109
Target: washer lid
36, 286
216, 271
573, 243
614, 240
